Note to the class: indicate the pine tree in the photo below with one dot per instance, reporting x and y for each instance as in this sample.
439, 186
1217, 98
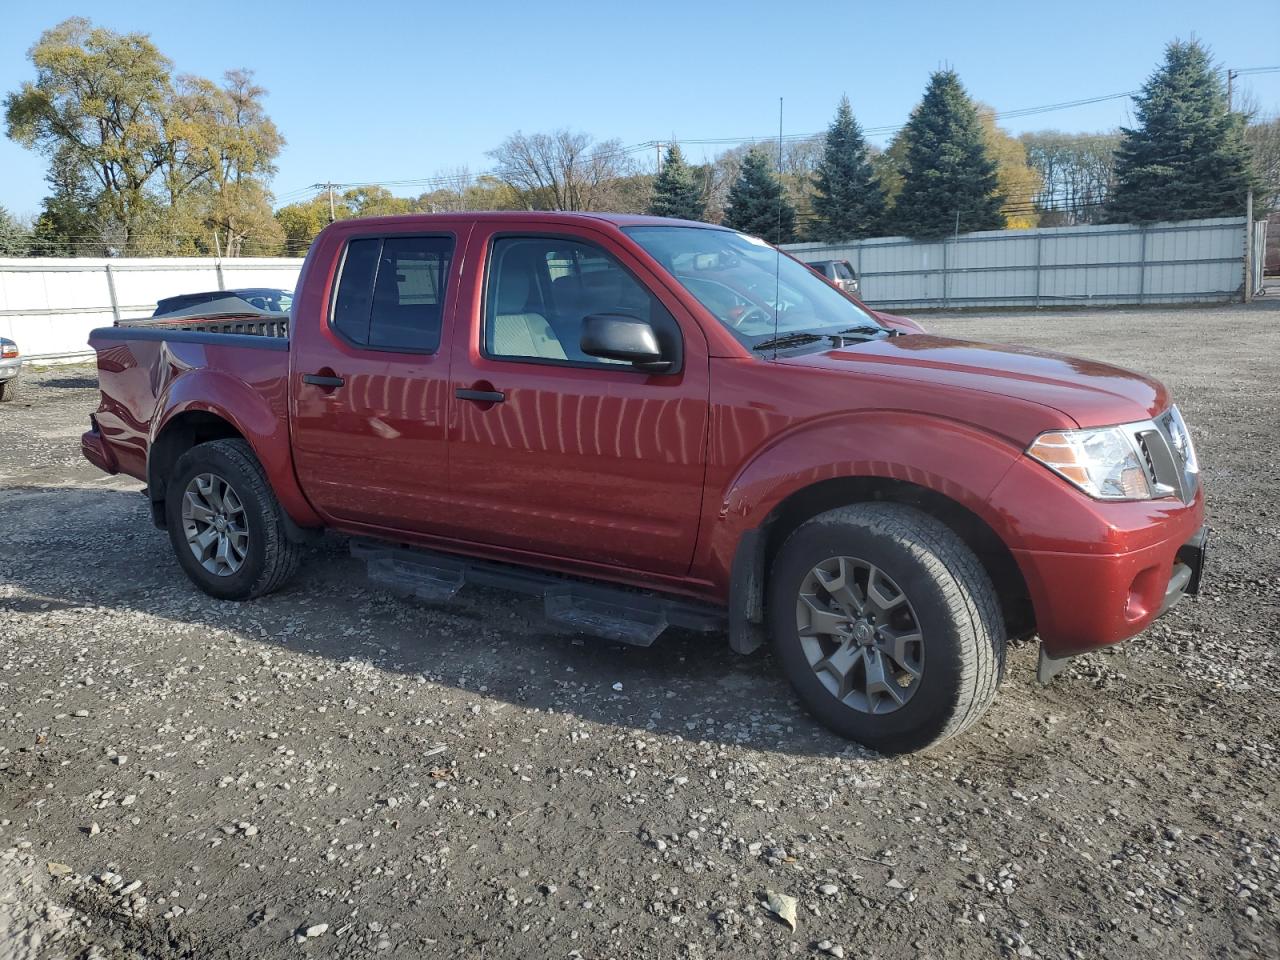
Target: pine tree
676, 190
15, 239
1187, 157
949, 180
849, 202
756, 202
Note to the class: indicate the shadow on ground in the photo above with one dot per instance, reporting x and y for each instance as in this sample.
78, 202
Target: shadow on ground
68, 547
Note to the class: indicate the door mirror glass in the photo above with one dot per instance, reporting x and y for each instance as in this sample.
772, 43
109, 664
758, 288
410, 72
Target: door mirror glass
616, 336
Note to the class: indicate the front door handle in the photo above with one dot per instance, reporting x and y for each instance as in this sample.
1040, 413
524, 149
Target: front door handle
480, 396
320, 380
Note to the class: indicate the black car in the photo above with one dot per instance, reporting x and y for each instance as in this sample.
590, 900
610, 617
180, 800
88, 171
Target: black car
245, 299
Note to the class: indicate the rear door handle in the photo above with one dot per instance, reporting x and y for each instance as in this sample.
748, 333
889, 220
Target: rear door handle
319, 380
480, 396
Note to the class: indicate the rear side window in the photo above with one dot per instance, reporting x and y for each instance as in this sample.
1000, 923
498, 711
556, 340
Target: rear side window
391, 292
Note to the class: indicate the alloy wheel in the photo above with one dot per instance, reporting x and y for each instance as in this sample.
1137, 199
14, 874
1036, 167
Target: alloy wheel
215, 524
860, 635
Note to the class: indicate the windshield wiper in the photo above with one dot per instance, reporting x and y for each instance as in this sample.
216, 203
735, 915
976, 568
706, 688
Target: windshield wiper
788, 340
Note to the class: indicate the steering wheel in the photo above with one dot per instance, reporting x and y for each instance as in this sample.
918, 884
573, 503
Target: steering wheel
753, 312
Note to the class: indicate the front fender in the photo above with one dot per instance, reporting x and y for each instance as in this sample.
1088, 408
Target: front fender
950, 458
259, 413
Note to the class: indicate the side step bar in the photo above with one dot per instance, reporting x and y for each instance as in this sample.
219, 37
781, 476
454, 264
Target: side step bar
635, 617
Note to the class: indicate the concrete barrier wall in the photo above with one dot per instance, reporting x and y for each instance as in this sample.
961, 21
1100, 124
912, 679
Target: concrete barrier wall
49, 305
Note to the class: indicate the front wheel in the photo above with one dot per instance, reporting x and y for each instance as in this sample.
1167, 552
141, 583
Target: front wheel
886, 625
224, 522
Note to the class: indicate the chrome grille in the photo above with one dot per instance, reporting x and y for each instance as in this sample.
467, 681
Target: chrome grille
1168, 456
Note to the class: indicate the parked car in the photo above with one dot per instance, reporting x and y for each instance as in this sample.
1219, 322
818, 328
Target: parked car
10, 369
839, 272
653, 422
259, 299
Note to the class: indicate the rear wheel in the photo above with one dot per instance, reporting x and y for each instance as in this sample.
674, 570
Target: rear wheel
224, 522
887, 625
9, 389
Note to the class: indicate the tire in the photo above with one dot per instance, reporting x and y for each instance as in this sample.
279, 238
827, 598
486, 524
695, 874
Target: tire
267, 559
9, 390
947, 600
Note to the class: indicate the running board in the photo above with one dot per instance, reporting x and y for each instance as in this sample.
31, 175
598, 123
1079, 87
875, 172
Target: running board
635, 617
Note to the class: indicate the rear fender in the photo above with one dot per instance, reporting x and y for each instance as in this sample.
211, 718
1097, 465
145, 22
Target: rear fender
252, 414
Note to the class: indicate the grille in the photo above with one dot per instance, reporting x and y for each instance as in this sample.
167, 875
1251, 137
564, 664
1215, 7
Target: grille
1168, 456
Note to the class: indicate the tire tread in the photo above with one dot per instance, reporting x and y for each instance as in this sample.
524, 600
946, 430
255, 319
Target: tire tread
965, 587
282, 555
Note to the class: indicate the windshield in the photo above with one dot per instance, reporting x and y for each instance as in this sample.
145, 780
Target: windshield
741, 280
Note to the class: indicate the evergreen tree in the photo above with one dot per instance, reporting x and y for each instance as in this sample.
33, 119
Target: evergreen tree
756, 202
1187, 157
676, 190
949, 180
15, 239
849, 202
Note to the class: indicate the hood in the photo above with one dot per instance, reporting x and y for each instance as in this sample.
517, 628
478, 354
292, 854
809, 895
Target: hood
905, 324
1090, 393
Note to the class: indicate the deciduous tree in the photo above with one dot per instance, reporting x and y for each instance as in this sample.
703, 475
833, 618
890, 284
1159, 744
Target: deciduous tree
1077, 173
562, 170
99, 104
140, 162
1017, 181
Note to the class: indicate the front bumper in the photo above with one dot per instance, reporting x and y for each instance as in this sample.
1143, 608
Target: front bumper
1097, 572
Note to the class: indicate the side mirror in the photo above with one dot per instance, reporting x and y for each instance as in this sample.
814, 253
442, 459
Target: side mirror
616, 336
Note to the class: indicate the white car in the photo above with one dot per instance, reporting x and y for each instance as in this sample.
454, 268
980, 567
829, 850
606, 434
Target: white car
10, 369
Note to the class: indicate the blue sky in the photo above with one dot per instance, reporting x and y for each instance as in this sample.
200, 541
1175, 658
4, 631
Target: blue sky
379, 92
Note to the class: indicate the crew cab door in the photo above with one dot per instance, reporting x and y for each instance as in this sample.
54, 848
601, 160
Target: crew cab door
369, 384
558, 453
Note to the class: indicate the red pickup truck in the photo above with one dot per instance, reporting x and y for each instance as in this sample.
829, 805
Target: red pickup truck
653, 422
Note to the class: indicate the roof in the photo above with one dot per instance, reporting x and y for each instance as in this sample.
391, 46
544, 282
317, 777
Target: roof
535, 216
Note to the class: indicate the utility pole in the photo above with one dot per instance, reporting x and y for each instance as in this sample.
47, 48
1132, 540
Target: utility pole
658, 147
327, 186
1231, 75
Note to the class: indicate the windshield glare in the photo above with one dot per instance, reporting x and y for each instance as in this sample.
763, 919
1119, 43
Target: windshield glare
741, 280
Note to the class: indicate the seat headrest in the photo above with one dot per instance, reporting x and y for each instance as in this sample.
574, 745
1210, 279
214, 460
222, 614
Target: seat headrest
513, 288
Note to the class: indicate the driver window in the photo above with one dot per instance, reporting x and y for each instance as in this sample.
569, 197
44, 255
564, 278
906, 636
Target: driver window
540, 289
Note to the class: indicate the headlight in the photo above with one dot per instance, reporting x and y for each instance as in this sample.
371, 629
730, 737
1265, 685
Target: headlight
1104, 462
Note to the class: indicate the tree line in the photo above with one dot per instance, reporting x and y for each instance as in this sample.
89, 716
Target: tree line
145, 162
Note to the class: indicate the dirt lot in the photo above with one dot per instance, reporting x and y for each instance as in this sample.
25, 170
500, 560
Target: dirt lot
185, 778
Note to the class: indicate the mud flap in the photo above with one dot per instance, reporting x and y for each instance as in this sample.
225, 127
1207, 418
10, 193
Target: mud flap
1049, 667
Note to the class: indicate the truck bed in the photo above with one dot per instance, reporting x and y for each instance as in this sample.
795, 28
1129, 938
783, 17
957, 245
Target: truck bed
252, 324
150, 371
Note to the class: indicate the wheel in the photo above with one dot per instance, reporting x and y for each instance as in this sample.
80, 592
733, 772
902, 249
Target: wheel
225, 524
886, 625
9, 390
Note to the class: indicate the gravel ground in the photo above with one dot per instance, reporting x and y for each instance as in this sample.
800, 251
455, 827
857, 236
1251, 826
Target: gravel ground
335, 772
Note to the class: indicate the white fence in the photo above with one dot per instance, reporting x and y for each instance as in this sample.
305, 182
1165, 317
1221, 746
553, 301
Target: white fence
49, 305
1186, 262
